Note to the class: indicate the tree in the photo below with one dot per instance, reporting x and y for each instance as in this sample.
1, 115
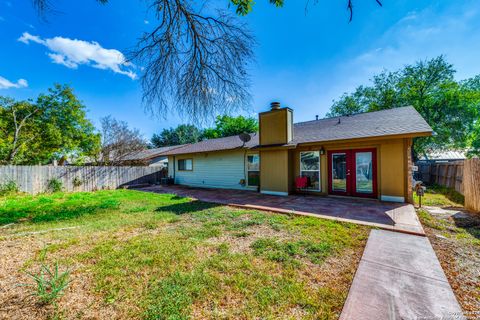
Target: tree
195, 59
226, 126
182, 134
53, 127
452, 108
119, 141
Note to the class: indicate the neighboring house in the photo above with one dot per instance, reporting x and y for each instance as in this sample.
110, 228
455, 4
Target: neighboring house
149, 157
363, 155
443, 156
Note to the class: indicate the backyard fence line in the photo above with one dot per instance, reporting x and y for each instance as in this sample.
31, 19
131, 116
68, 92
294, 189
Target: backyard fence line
448, 174
35, 179
471, 184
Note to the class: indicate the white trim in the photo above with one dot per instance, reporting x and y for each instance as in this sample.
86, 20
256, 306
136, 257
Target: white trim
274, 193
392, 199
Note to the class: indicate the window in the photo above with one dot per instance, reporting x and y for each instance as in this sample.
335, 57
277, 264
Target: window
185, 165
253, 170
310, 168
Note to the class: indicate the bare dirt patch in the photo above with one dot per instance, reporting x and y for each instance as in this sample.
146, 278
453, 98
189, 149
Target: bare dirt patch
459, 255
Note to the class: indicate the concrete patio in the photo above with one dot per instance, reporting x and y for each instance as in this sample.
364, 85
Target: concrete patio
389, 216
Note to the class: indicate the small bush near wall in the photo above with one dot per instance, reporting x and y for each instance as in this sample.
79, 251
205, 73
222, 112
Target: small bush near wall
54, 185
9, 187
77, 182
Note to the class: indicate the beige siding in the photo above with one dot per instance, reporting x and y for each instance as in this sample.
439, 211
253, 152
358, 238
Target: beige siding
274, 171
212, 170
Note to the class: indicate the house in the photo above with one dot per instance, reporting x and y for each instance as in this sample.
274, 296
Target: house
448, 155
149, 157
363, 155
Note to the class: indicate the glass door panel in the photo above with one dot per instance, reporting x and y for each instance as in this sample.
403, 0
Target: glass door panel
339, 172
363, 172
310, 168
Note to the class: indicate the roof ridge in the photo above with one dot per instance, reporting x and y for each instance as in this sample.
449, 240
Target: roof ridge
355, 114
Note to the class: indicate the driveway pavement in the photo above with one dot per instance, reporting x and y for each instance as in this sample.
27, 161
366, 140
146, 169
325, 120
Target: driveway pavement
389, 216
400, 277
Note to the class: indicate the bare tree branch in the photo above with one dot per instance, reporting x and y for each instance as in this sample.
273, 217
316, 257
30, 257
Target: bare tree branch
119, 142
194, 63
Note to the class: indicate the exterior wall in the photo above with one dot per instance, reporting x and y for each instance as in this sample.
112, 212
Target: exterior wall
276, 126
222, 169
278, 168
391, 165
408, 169
392, 171
274, 172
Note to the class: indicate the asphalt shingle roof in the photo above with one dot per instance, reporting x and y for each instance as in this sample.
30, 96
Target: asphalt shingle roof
398, 121
149, 153
405, 120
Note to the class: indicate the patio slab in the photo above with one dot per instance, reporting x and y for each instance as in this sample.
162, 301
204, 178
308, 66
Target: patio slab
400, 277
398, 217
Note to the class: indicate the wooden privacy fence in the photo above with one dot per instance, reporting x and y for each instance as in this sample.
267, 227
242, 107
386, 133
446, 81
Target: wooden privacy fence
471, 184
449, 174
35, 179
463, 176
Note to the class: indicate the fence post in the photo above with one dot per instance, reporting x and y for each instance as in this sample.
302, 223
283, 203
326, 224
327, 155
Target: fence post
471, 184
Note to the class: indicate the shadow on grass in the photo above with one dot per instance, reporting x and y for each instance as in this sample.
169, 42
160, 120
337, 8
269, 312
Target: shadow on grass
187, 207
38, 214
449, 193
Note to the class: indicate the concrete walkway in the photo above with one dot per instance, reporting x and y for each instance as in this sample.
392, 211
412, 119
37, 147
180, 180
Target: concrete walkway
400, 277
398, 217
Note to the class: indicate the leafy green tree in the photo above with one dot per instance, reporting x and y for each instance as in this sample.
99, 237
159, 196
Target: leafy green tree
53, 127
450, 107
183, 134
226, 126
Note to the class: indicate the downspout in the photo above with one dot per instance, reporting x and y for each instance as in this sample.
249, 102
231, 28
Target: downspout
174, 169
245, 168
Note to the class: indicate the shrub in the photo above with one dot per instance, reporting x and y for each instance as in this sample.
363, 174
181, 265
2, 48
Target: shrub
54, 185
77, 182
9, 187
50, 284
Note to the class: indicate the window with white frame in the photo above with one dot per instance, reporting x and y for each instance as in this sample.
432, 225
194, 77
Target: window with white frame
310, 168
185, 165
253, 170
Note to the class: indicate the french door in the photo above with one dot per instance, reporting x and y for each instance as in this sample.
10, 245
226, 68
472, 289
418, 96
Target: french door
353, 172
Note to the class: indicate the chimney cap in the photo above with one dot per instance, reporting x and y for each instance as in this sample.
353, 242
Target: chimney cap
275, 105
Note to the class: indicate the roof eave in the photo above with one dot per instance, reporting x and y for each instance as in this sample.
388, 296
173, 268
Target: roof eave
382, 137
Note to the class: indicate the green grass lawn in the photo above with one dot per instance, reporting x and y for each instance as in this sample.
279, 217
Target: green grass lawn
150, 256
440, 196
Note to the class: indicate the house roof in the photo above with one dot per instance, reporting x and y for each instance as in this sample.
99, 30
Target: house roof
444, 155
227, 143
149, 153
397, 121
391, 122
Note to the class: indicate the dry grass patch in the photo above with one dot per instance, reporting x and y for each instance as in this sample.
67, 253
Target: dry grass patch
149, 256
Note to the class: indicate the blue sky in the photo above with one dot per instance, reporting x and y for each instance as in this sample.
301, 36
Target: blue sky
303, 59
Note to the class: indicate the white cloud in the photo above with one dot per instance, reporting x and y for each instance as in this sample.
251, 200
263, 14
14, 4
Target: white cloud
73, 52
7, 84
425, 34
